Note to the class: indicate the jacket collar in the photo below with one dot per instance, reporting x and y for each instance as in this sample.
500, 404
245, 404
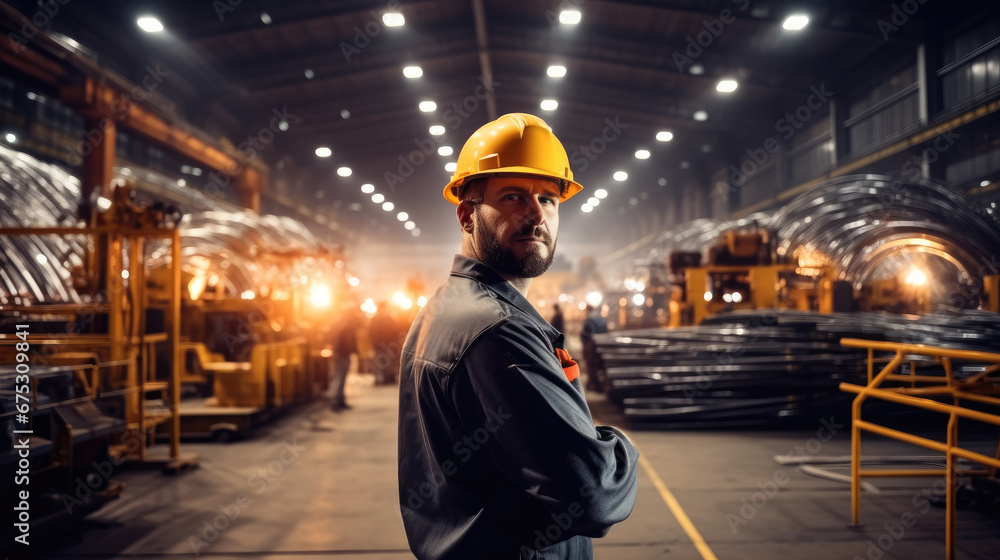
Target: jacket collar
471, 268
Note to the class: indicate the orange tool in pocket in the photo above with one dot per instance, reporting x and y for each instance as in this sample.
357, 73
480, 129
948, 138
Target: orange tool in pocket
569, 365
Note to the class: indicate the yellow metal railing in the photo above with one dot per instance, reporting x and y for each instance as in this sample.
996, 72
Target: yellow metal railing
978, 388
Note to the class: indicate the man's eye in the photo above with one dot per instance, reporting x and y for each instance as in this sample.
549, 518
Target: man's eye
512, 196
547, 200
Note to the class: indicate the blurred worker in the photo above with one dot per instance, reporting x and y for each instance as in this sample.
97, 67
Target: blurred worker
386, 344
557, 321
345, 343
593, 324
498, 455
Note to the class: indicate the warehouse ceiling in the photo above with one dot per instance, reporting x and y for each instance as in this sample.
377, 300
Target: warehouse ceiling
633, 69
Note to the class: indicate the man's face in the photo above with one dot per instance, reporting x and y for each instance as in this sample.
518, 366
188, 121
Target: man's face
517, 225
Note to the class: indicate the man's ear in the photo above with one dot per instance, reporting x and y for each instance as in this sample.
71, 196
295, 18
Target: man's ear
464, 214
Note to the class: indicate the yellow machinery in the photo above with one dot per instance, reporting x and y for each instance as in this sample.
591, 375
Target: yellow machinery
917, 391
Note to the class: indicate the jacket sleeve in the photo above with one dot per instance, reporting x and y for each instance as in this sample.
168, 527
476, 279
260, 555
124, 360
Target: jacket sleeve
541, 435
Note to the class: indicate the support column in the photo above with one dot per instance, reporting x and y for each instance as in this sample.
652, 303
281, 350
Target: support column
98, 151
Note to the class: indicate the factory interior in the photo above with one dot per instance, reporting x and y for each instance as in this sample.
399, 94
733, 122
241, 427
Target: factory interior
788, 232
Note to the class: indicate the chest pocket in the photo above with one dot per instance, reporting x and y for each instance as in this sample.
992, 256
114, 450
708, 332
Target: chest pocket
569, 365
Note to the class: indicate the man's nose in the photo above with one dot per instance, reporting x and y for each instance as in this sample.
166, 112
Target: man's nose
533, 213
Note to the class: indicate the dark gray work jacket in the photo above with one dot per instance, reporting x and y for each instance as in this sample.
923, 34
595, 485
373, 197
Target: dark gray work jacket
498, 455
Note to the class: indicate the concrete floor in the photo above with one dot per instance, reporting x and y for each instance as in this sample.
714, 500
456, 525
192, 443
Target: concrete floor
323, 483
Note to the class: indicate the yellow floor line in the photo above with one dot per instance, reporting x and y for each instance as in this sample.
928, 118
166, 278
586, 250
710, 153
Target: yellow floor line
675, 508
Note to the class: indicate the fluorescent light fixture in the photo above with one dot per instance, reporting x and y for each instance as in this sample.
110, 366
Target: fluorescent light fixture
642, 154
149, 24
664, 136
388, 206
587, 208
436, 130
451, 166
601, 193
593, 201
696, 69
409, 225
378, 198
445, 151
309, 74
984, 183
323, 151
283, 126
428, 106
412, 72
700, 115
556, 71
402, 216
795, 22
726, 86
344, 171
549, 104
10, 137
620, 176
367, 188
266, 18
570, 17
393, 19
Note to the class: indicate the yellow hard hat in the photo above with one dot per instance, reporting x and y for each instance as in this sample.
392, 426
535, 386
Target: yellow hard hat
516, 143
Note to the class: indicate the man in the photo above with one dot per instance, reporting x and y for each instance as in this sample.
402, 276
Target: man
593, 324
345, 343
498, 455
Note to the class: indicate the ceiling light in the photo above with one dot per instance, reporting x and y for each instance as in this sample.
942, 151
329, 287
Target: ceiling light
570, 17
402, 216
450, 167
556, 71
436, 130
393, 19
593, 201
266, 18
983, 183
345, 114
416, 232
445, 151
795, 22
700, 116
549, 104
149, 24
323, 151
409, 225
696, 69
309, 74
664, 136
428, 106
388, 206
412, 72
587, 208
378, 198
10, 137
344, 171
601, 193
367, 188
726, 86
642, 154
620, 176
283, 126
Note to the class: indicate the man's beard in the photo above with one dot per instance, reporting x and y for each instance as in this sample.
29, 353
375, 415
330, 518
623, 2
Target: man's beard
503, 260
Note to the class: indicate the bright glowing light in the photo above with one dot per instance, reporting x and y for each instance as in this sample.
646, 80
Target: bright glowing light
309, 74
587, 208
737, 297
369, 306
639, 286
415, 233
593, 201
795, 22
916, 277
283, 126
983, 183
436, 130
570, 17
320, 296
103, 203
549, 104
400, 300
642, 154
388, 206
344, 171
700, 115
421, 301
664, 136
124, 272
630, 283
149, 24
445, 151
594, 298
728, 298
378, 198
726, 86
620, 176
638, 299
409, 225
367, 188
197, 286
323, 151
601, 193
413, 72
428, 106
265, 18
393, 19
402, 216
450, 167
582, 305
696, 69
10, 137
354, 281
708, 296
248, 294
556, 71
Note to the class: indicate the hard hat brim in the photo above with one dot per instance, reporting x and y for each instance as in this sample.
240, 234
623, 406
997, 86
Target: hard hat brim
451, 190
